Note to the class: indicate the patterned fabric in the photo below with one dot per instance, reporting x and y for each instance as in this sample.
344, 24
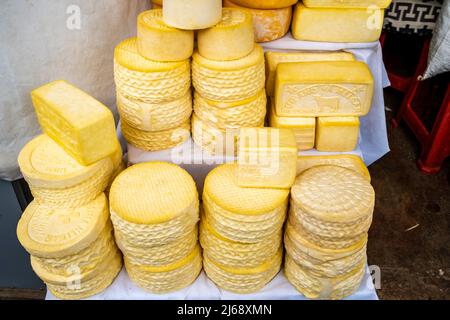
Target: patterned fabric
412, 16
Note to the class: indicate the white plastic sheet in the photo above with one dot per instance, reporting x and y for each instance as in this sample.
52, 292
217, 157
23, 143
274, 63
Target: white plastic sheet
46, 40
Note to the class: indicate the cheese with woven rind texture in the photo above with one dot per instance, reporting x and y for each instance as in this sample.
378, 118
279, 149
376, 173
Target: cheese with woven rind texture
236, 254
232, 80
267, 158
274, 58
49, 232
349, 161
242, 280
227, 115
169, 192
147, 80
320, 261
168, 278
71, 291
155, 116
221, 187
337, 134
265, 4
160, 42
304, 128
80, 124
235, 30
159, 255
268, 24
364, 4
192, 14
156, 140
323, 88
337, 25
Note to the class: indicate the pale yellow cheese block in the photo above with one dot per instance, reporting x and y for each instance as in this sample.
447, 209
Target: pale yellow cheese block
155, 116
323, 88
231, 115
313, 287
169, 193
235, 30
267, 158
147, 80
242, 280
349, 161
268, 24
273, 58
338, 134
265, 4
80, 124
160, 42
304, 128
192, 14
49, 232
232, 80
156, 140
347, 4
170, 278
337, 25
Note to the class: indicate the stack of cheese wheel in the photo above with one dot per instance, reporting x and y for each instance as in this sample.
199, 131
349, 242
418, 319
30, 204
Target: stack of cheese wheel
271, 18
66, 228
153, 82
228, 81
155, 210
326, 234
241, 231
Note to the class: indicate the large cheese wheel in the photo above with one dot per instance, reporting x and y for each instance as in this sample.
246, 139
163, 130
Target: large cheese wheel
265, 4
345, 4
192, 14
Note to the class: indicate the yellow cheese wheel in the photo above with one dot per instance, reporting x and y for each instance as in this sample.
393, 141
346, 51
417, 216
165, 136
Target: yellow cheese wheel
265, 4
235, 30
347, 4
160, 42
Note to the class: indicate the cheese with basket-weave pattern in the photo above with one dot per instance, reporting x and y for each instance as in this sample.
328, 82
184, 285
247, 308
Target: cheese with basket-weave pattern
323, 88
160, 42
338, 134
346, 4
269, 24
80, 124
332, 204
56, 178
274, 58
147, 80
232, 80
192, 14
267, 158
235, 30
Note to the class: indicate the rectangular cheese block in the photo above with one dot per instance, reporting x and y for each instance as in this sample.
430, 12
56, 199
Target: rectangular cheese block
347, 3
349, 161
337, 24
80, 124
274, 58
323, 88
337, 134
304, 128
267, 158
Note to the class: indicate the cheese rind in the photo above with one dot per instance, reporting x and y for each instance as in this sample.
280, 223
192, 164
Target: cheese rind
192, 14
265, 4
323, 88
157, 41
274, 58
304, 128
337, 134
267, 158
235, 29
337, 24
363, 4
268, 24
80, 124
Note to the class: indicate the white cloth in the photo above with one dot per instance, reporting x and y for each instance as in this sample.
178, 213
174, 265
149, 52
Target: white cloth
204, 289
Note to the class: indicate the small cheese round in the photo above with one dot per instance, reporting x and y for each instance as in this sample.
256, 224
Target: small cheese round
157, 41
235, 30
192, 14
265, 4
152, 193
